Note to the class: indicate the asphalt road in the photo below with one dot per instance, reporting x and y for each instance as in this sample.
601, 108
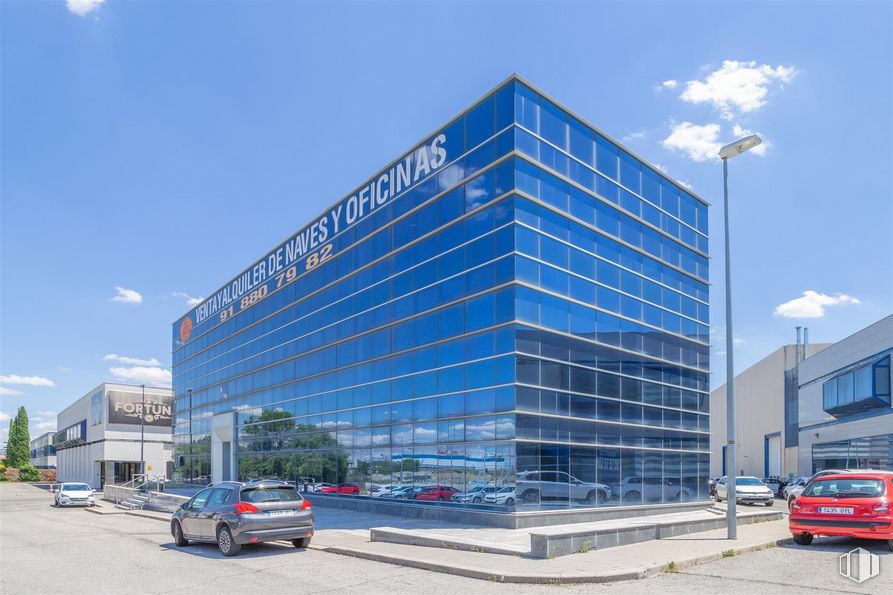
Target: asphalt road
45, 550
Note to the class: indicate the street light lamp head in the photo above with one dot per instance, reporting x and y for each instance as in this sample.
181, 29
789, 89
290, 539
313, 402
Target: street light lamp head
740, 146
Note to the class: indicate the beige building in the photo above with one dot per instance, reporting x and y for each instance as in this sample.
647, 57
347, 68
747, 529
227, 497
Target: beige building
766, 415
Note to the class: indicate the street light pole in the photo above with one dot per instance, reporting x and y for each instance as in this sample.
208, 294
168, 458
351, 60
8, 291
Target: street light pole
143, 434
726, 153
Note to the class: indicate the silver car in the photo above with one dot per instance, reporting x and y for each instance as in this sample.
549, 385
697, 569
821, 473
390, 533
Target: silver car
73, 494
233, 514
792, 492
748, 490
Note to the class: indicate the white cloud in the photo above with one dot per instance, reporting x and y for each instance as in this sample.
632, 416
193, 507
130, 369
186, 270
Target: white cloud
737, 86
44, 426
686, 184
65, 369
634, 135
700, 143
83, 7
670, 84
740, 132
143, 374
26, 380
127, 296
132, 361
190, 301
4, 417
812, 304
45, 414
9, 392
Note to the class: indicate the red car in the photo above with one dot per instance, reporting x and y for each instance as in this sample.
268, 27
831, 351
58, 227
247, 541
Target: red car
342, 488
853, 505
441, 493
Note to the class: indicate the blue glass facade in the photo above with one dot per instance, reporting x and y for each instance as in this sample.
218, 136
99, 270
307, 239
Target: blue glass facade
527, 309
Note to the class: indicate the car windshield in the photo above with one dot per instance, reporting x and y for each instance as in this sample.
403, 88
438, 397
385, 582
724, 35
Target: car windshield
748, 481
504, 490
846, 488
76, 487
268, 494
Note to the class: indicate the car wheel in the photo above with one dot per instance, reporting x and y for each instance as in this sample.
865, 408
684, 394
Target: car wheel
770, 503
299, 543
530, 496
177, 532
790, 503
476, 500
441, 499
632, 496
803, 538
509, 501
718, 499
356, 492
226, 543
890, 543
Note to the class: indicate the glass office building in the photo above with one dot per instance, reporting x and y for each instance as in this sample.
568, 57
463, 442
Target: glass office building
517, 303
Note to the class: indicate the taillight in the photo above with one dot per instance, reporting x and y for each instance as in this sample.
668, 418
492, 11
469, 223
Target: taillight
305, 504
245, 508
795, 505
881, 506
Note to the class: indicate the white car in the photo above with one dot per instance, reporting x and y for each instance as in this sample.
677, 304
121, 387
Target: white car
748, 490
505, 496
542, 486
798, 483
73, 494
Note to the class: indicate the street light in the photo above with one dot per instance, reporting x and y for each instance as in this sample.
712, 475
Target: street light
726, 153
143, 434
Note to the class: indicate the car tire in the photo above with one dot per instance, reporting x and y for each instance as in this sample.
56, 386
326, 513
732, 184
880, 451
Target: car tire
790, 503
632, 495
177, 533
803, 538
770, 503
890, 543
718, 499
441, 499
226, 543
355, 493
509, 501
301, 543
530, 497
476, 500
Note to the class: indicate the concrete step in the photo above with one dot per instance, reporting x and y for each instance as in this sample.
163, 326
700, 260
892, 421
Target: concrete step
562, 540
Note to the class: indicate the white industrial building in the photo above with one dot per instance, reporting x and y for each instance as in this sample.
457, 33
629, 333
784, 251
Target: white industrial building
99, 437
42, 454
805, 407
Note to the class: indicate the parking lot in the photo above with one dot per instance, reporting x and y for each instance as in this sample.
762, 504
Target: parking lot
43, 549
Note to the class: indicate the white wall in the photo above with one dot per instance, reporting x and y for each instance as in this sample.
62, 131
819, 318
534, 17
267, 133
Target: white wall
110, 442
759, 411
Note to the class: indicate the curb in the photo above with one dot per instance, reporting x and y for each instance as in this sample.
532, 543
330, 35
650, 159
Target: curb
534, 579
539, 579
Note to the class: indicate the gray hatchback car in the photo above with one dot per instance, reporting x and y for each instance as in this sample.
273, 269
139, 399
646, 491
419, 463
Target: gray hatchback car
232, 514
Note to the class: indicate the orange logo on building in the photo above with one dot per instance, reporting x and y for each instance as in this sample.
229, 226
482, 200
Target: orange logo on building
186, 328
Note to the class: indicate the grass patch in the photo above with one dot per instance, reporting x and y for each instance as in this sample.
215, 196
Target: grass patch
587, 545
671, 567
728, 553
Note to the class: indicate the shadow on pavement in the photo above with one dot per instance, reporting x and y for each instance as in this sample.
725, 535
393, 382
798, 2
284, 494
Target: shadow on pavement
258, 550
843, 545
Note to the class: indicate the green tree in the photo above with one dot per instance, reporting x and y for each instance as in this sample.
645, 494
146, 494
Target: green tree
18, 446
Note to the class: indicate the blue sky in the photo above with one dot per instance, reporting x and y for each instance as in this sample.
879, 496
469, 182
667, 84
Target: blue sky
161, 147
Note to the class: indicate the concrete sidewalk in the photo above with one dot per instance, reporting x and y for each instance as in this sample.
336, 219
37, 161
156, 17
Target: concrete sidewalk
614, 564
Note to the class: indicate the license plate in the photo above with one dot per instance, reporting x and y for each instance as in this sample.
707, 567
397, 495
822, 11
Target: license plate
835, 510
278, 512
